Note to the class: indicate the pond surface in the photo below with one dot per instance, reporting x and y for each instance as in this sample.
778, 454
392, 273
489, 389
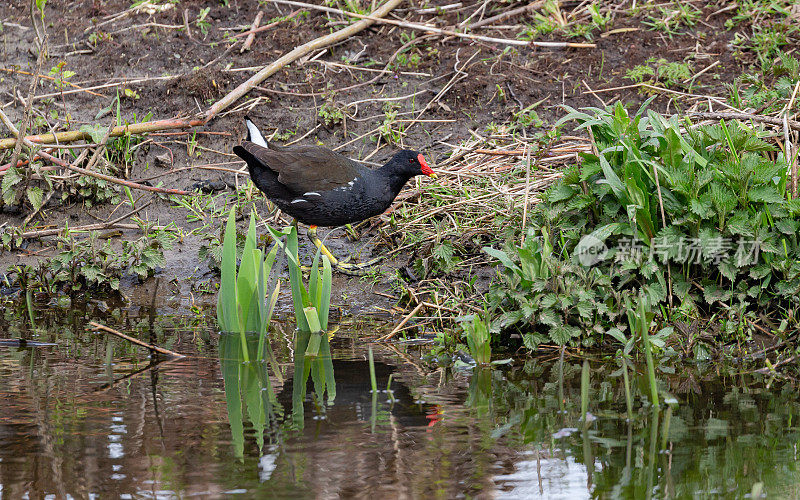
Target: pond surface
91, 417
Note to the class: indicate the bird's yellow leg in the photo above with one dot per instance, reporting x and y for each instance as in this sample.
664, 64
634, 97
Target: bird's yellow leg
312, 235
341, 265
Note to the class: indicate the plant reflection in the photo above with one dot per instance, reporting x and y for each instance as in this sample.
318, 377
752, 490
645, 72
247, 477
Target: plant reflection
249, 390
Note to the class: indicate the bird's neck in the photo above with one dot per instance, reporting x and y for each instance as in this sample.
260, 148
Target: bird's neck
396, 179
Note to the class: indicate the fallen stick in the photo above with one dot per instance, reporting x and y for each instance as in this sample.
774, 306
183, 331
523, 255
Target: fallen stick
295, 54
46, 77
252, 35
402, 323
257, 29
26, 114
78, 135
107, 86
440, 31
507, 14
90, 227
151, 347
795, 125
62, 163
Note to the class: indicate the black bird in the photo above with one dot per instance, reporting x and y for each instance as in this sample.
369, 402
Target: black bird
320, 187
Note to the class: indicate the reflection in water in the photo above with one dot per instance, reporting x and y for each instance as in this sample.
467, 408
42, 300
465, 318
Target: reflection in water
92, 416
535, 476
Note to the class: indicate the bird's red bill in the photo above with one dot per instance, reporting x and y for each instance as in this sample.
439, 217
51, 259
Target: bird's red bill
425, 168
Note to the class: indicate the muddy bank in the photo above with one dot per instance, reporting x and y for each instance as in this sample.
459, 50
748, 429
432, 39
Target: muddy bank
441, 92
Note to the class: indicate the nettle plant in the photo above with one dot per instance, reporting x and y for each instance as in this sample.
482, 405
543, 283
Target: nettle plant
90, 263
696, 217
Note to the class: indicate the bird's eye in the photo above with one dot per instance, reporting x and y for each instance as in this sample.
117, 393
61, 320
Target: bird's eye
411, 160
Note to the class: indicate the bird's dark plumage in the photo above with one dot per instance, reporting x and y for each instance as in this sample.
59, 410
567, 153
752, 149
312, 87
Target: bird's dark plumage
320, 187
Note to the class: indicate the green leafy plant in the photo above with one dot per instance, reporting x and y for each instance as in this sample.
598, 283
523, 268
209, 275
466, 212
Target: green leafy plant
545, 21
312, 304
669, 74
410, 56
60, 77
527, 117
549, 298
697, 219
672, 16
479, 339
330, 113
92, 264
391, 130
241, 304
202, 20
769, 90
766, 39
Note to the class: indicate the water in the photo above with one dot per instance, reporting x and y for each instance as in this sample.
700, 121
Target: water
91, 417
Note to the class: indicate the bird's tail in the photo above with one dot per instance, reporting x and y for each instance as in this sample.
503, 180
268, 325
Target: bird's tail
253, 134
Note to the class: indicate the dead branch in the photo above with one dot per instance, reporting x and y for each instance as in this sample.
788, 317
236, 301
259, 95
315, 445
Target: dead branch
252, 35
295, 54
507, 14
62, 163
778, 122
256, 29
78, 135
26, 114
440, 31
153, 348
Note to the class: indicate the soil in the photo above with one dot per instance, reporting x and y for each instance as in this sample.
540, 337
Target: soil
147, 45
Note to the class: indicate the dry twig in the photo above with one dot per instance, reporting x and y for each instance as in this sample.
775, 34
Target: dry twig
295, 54
778, 122
252, 33
440, 31
153, 348
79, 135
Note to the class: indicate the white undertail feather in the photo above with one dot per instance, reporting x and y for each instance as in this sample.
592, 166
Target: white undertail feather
255, 134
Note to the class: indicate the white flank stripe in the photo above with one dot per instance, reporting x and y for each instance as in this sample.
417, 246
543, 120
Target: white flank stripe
255, 134
311, 193
299, 200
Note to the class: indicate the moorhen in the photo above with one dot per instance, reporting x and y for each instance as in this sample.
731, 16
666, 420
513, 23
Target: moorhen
320, 187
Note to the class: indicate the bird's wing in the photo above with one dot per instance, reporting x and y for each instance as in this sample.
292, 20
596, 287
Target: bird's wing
306, 168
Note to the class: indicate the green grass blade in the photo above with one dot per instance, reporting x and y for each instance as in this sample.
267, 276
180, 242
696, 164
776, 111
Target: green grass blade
313, 322
324, 303
295, 279
313, 345
317, 374
300, 379
231, 361
643, 330
585, 390
228, 290
312, 317
247, 288
313, 281
373, 382
262, 322
246, 279
628, 396
264, 347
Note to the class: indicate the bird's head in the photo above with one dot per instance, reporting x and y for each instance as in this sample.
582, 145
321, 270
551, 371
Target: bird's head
412, 163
